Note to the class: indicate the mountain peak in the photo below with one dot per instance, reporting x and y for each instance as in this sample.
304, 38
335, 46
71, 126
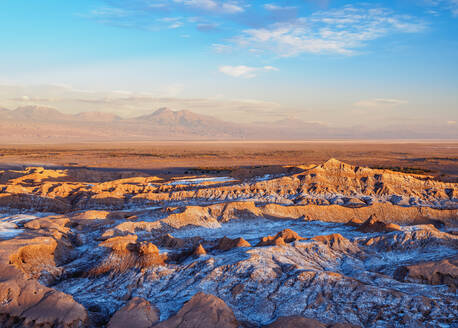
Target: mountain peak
332, 163
167, 115
38, 113
163, 110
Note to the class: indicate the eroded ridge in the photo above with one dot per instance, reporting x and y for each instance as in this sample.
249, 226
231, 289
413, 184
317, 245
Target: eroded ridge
331, 183
331, 245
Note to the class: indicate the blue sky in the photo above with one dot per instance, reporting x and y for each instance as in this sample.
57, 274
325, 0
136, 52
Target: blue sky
381, 62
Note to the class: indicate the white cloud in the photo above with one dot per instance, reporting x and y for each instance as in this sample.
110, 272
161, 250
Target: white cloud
271, 68
239, 71
149, 14
127, 103
244, 71
273, 7
449, 5
338, 31
221, 48
380, 102
231, 8
172, 22
226, 7
110, 12
202, 4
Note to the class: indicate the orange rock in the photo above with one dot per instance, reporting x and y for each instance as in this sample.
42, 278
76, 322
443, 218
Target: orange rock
434, 273
137, 313
126, 254
25, 301
337, 242
333, 239
374, 225
281, 238
225, 244
199, 251
203, 310
119, 244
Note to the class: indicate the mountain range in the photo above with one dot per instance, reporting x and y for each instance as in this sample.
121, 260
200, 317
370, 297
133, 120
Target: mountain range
38, 124
41, 124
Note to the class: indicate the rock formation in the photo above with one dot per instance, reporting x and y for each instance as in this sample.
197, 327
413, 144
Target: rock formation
203, 310
330, 245
199, 251
137, 313
373, 225
444, 272
225, 244
281, 238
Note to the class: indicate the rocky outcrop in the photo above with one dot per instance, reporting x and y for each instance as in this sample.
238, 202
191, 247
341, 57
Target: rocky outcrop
337, 242
137, 313
127, 253
199, 251
226, 244
203, 310
281, 238
26, 302
417, 237
444, 272
119, 244
35, 257
373, 225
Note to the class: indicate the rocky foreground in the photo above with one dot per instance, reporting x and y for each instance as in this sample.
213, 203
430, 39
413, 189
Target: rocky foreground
331, 245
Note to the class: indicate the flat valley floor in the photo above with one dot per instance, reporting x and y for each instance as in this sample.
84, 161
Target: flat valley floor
439, 159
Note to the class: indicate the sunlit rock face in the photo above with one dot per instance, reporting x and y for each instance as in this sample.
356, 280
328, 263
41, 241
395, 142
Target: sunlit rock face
331, 245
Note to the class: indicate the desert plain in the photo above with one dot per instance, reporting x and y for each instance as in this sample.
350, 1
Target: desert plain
436, 158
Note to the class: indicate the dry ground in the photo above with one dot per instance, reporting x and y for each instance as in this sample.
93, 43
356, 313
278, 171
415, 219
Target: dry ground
439, 159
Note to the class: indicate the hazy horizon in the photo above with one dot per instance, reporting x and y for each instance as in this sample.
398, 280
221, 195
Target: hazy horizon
338, 65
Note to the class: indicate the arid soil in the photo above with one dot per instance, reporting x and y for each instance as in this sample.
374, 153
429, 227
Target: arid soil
329, 244
439, 159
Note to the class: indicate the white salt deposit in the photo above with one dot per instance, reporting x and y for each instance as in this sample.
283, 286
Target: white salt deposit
10, 224
199, 180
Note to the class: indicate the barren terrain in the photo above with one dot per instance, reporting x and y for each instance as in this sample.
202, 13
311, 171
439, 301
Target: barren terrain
439, 159
229, 235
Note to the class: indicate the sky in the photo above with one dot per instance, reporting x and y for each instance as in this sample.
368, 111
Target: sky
336, 63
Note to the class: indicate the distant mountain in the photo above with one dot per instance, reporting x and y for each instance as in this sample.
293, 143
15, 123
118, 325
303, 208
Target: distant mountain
37, 113
187, 122
37, 123
185, 118
97, 117
168, 117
